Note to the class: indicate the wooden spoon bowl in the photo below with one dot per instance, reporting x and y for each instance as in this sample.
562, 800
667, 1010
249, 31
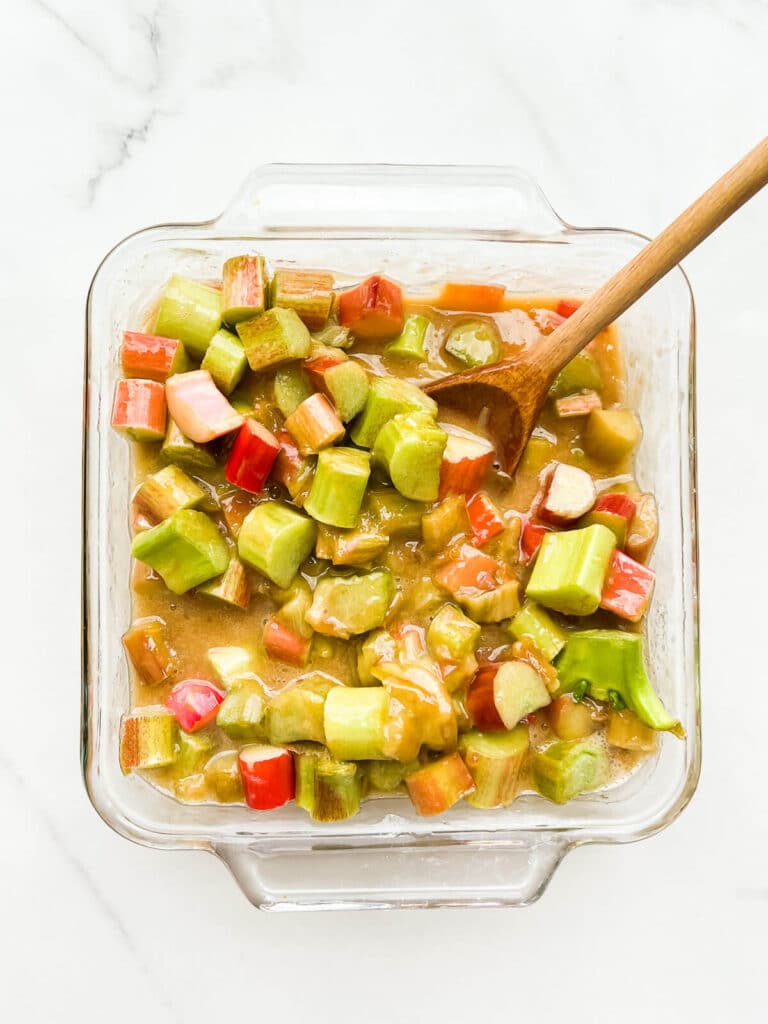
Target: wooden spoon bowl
509, 396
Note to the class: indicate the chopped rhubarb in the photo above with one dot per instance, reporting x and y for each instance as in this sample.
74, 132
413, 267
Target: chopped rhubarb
471, 298
573, 406
470, 572
268, 776
569, 494
151, 356
617, 505
244, 288
567, 307
484, 518
643, 528
480, 703
525, 649
146, 644
252, 457
165, 492
465, 460
314, 425
291, 469
438, 786
235, 507
195, 703
199, 408
373, 309
343, 380
140, 410
308, 292
233, 587
628, 588
531, 537
284, 644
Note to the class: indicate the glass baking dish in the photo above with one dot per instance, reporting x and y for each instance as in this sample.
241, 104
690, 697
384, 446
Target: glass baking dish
419, 225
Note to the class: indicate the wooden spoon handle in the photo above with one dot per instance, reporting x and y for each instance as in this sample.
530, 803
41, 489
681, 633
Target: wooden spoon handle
708, 212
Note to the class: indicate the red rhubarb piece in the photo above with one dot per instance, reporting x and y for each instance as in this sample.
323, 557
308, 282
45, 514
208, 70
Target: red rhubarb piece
252, 457
195, 703
374, 309
471, 298
150, 356
199, 408
628, 587
567, 307
480, 703
569, 494
484, 518
283, 644
139, 409
268, 776
617, 505
465, 461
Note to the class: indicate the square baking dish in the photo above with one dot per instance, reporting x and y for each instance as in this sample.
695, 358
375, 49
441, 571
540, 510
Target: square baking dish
419, 225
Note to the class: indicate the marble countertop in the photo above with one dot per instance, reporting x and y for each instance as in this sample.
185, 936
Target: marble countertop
133, 112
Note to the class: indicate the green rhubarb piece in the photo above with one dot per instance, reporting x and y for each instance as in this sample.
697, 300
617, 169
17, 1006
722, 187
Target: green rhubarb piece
581, 374
178, 448
570, 569
616, 524
241, 714
347, 386
377, 647
537, 454
244, 288
451, 636
234, 666
388, 397
410, 447
148, 739
535, 623
225, 360
292, 387
195, 748
612, 434
296, 712
494, 760
232, 588
189, 311
275, 337
294, 604
338, 486
357, 547
276, 539
332, 336
388, 776
222, 774
344, 606
493, 605
165, 492
567, 768
611, 662
445, 521
185, 550
518, 690
354, 720
306, 757
474, 344
337, 790
410, 344
309, 292
396, 515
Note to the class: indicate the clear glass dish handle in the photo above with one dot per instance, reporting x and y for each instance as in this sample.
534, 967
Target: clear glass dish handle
347, 199
499, 873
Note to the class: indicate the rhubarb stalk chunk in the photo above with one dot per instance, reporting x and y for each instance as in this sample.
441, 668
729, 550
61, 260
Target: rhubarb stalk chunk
345, 606
344, 381
225, 361
191, 312
373, 309
465, 461
277, 336
252, 457
268, 777
152, 357
314, 425
438, 786
167, 491
354, 721
308, 292
339, 486
194, 702
494, 760
232, 588
410, 447
570, 570
275, 539
180, 449
199, 408
565, 769
139, 410
185, 550
146, 644
388, 397
147, 739
243, 288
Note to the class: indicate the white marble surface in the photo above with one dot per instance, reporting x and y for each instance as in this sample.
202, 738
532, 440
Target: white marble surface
120, 114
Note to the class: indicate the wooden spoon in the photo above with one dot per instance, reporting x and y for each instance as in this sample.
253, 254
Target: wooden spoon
510, 394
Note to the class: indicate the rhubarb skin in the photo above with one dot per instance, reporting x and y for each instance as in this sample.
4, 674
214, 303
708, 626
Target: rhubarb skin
252, 457
268, 776
480, 703
244, 288
139, 409
308, 292
628, 588
531, 536
440, 785
484, 518
567, 307
617, 505
152, 357
147, 646
373, 309
464, 465
199, 408
194, 703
